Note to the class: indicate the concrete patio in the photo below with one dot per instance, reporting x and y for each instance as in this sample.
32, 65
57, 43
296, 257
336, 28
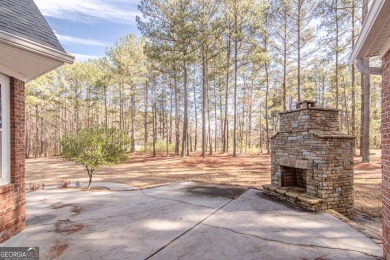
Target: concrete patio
182, 220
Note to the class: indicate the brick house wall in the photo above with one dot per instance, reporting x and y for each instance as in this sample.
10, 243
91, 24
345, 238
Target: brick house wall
12, 196
386, 154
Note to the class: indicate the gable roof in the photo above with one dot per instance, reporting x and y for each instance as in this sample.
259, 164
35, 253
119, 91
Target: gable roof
28, 46
374, 37
22, 18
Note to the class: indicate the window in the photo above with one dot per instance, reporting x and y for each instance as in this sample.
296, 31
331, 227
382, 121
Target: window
5, 160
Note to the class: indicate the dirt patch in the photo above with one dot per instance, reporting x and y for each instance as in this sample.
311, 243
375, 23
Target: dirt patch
68, 227
57, 249
144, 171
367, 185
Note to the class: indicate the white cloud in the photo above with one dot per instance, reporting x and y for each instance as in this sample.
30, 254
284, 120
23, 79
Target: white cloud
84, 57
120, 11
76, 40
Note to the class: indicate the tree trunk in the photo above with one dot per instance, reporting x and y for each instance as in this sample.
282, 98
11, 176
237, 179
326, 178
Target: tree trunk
168, 130
346, 109
177, 120
353, 77
203, 102
163, 112
132, 148
154, 117
366, 116
226, 125
185, 120
120, 107
41, 143
235, 87
266, 107
146, 116
221, 117
36, 149
215, 116
365, 145
260, 130
299, 55
105, 106
285, 60
250, 114
208, 113
170, 115
90, 174
337, 55
196, 118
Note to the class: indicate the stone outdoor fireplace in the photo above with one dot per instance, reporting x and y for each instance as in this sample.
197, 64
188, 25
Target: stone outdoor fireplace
312, 161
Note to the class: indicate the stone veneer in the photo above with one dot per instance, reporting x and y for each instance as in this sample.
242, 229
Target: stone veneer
385, 128
312, 161
12, 196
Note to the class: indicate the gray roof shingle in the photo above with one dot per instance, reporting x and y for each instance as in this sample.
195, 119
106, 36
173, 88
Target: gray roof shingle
23, 18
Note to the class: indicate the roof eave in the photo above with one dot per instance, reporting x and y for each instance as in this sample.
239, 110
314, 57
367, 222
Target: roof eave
367, 33
35, 47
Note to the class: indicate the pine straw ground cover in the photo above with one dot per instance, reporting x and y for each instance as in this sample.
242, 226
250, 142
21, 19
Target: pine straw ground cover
249, 170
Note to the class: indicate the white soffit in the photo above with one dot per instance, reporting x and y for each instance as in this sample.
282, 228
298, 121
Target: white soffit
373, 39
25, 60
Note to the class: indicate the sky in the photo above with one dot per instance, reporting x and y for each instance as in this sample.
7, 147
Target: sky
86, 27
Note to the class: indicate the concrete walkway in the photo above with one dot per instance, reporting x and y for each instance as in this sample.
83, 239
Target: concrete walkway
183, 221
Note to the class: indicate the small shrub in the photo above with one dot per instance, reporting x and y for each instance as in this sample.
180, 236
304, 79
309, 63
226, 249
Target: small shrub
63, 184
34, 187
95, 147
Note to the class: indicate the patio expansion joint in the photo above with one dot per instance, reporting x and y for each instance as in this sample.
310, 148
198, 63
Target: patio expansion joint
288, 243
185, 232
181, 201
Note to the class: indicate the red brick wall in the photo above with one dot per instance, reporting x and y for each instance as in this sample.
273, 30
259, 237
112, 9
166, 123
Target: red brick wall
386, 153
12, 196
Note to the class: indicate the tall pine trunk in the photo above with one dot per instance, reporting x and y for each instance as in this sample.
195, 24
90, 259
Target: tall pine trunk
154, 116
177, 119
132, 148
203, 102
170, 115
196, 116
353, 75
235, 86
365, 145
226, 121
250, 114
299, 54
337, 54
285, 60
185, 120
146, 116
105, 107
266, 107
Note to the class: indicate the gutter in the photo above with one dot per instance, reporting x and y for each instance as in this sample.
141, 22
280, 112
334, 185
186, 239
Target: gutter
372, 16
40, 49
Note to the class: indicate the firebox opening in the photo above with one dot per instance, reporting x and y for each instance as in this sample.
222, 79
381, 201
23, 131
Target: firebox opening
293, 177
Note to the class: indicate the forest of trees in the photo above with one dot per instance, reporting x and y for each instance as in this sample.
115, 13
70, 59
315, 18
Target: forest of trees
211, 76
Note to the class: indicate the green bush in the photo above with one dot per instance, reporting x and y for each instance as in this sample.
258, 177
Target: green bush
95, 147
